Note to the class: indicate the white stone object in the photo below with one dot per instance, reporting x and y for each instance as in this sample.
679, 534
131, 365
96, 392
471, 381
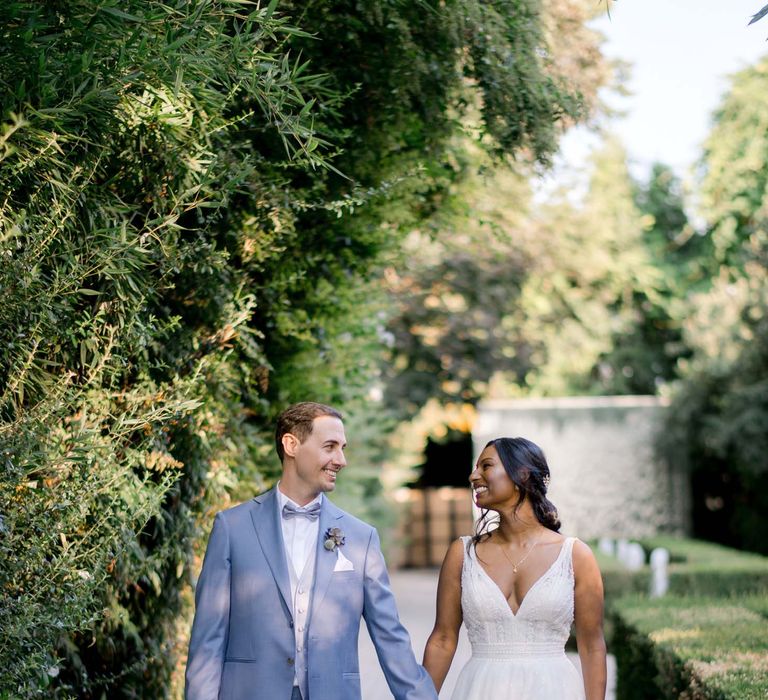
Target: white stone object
634, 558
606, 546
659, 572
621, 550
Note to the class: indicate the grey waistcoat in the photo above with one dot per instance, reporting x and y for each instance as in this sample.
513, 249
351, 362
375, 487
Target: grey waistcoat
302, 600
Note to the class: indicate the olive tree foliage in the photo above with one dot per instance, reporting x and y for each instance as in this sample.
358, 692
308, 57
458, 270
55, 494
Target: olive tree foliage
194, 199
720, 412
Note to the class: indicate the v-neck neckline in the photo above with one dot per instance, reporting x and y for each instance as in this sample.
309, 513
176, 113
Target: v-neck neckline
533, 585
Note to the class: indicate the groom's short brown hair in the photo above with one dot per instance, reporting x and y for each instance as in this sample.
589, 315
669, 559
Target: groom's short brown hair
297, 420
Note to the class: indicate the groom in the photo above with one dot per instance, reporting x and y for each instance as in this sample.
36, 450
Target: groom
285, 580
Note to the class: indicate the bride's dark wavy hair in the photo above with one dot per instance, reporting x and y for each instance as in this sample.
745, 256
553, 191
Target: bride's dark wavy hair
527, 467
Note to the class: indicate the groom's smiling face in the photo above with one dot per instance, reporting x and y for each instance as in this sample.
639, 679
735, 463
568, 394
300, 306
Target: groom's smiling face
318, 460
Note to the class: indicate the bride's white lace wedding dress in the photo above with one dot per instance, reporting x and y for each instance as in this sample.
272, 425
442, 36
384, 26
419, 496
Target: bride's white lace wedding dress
518, 656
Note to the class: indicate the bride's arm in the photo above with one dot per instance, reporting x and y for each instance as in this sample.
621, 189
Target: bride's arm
588, 602
441, 645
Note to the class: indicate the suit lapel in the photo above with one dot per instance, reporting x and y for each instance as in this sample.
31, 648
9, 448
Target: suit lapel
330, 516
266, 521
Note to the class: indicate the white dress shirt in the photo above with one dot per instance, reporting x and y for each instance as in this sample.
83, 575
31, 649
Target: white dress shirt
299, 534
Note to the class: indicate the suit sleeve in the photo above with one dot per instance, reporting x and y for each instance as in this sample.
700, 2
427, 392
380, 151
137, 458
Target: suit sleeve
407, 680
210, 629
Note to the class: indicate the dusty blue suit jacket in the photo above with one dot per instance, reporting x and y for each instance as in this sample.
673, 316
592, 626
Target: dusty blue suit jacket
242, 643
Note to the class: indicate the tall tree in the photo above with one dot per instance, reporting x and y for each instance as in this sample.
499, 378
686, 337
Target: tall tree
542, 296
589, 260
454, 289
645, 355
720, 414
457, 282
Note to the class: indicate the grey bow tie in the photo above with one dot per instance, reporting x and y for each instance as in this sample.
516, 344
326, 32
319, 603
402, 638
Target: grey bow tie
310, 513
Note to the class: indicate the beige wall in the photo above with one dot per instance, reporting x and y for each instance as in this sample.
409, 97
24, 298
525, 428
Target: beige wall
606, 480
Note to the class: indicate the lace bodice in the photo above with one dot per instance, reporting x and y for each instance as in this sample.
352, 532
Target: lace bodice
541, 625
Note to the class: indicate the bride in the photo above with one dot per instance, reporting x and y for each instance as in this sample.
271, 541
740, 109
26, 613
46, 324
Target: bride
518, 588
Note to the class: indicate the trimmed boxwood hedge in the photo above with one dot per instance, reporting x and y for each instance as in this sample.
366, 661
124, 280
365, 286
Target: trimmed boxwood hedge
706, 640
707, 569
696, 568
690, 647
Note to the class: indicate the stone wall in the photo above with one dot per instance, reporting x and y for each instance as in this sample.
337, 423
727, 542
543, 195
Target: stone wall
606, 479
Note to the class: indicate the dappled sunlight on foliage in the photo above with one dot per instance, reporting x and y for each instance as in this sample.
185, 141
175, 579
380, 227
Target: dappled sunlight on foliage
196, 200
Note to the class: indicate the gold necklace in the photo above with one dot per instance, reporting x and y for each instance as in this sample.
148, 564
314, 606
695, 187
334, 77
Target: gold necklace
509, 559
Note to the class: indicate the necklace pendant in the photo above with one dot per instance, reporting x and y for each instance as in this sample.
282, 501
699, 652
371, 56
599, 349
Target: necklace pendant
514, 569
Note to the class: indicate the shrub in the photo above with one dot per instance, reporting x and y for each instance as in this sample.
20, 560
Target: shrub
703, 639
703, 648
179, 261
696, 568
126, 354
708, 569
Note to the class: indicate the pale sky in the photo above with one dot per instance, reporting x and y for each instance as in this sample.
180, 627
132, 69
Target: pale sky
681, 52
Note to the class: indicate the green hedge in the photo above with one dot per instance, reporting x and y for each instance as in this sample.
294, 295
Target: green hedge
690, 647
618, 580
702, 639
696, 568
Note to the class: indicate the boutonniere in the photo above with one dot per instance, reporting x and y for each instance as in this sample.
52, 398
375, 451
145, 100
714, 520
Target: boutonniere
334, 538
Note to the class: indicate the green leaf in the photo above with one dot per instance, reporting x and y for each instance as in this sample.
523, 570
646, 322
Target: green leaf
270, 9
114, 12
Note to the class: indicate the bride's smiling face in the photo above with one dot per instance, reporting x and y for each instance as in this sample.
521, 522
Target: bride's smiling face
490, 482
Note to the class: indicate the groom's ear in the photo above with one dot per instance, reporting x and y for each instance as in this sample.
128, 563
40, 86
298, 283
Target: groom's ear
290, 443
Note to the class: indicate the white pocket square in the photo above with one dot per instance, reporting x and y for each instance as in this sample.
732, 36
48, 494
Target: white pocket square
342, 563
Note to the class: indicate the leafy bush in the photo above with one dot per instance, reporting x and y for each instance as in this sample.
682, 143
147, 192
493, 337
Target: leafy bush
126, 351
707, 569
179, 261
